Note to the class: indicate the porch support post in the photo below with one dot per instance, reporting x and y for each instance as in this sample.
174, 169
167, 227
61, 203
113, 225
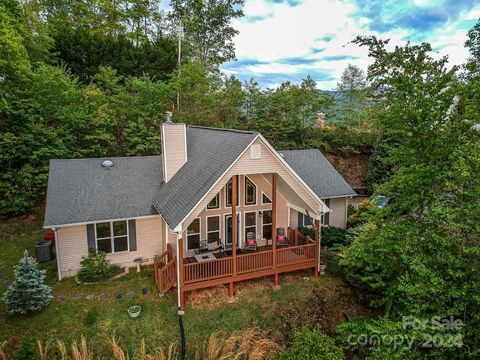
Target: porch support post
234, 230
274, 224
180, 271
317, 248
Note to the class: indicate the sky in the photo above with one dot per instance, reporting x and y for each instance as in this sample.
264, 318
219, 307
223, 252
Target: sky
282, 40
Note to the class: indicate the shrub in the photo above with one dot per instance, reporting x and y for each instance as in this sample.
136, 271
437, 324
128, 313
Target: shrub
312, 345
27, 350
361, 214
331, 235
96, 267
28, 292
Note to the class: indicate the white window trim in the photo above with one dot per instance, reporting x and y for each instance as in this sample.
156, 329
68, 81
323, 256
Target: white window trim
250, 226
219, 226
239, 194
264, 203
263, 224
112, 237
245, 178
218, 202
199, 233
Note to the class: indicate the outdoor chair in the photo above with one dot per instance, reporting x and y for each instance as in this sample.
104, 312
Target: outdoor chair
251, 243
202, 248
281, 237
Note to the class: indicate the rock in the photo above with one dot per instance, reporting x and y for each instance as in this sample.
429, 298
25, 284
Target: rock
130, 294
145, 290
90, 297
119, 296
61, 298
77, 297
103, 296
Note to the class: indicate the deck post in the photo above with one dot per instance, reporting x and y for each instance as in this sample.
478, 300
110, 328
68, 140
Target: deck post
234, 230
317, 248
181, 291
274, 225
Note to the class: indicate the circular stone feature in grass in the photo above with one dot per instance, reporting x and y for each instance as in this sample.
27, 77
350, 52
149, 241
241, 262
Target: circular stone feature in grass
119, 296
145, 290
103, 296
90, 297
77, 297
130, 295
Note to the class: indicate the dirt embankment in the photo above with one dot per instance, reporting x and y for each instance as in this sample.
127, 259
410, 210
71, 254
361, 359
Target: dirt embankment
353, 167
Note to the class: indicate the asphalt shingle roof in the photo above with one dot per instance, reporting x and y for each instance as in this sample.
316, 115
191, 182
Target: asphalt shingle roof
81, 190
317, 172
210, 152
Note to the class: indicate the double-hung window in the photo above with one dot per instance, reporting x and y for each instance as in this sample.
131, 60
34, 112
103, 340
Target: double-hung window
250, 223
213, 228
267, 224
112, 236
193, 235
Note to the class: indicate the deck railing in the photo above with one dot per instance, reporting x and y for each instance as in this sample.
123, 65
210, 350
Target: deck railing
208, 270
295, 254
167, 276
254, 261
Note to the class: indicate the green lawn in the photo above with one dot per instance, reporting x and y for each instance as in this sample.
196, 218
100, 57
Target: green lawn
257, 303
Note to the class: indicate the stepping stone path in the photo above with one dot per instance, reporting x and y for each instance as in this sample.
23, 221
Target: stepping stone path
145, 290
77, 297
119, 296
61, 298
103, 296
130, 295
90, 297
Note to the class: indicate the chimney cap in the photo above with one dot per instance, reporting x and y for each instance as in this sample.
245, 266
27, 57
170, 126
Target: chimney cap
168, 115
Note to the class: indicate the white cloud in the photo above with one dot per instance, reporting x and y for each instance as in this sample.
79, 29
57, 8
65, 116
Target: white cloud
274, 32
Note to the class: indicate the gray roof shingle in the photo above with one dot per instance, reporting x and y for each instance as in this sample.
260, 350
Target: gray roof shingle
210, 152
317, 172
81, 190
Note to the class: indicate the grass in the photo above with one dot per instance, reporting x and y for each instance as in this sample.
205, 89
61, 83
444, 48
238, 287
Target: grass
257, 305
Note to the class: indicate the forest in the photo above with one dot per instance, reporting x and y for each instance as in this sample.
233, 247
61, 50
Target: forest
94, 78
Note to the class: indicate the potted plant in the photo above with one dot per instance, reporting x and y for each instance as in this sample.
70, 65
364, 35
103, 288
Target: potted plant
134, 311
322, 269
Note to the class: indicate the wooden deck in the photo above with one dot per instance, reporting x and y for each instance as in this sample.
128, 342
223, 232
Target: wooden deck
247, 265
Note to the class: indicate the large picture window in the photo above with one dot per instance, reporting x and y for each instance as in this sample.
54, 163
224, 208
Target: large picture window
250, 192
250, 223
213, 228
214, 203
193, 235
112, 236
228, 193
267, 224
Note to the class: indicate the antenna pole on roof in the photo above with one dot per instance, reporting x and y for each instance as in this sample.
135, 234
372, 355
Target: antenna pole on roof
179, 60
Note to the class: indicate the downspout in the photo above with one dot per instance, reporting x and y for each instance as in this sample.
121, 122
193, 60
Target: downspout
57, 254
180, 310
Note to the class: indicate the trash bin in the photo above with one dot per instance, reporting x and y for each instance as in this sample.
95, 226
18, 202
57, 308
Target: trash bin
43, 251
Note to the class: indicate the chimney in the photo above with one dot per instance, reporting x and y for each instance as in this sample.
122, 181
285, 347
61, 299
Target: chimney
174, 146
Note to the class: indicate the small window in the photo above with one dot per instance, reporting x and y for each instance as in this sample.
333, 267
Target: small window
214, 203
228, 193
267, 224
250, 192
193, 235
265, 199
250, 223
213, 228
112, 237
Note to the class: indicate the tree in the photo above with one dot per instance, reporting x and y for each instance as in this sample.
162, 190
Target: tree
420, 256
207, 27
28, 293
354, 100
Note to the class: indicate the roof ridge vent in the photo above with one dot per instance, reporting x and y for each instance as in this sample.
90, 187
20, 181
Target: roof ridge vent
107, 164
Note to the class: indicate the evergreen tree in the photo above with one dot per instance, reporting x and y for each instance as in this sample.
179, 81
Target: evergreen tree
28, 293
